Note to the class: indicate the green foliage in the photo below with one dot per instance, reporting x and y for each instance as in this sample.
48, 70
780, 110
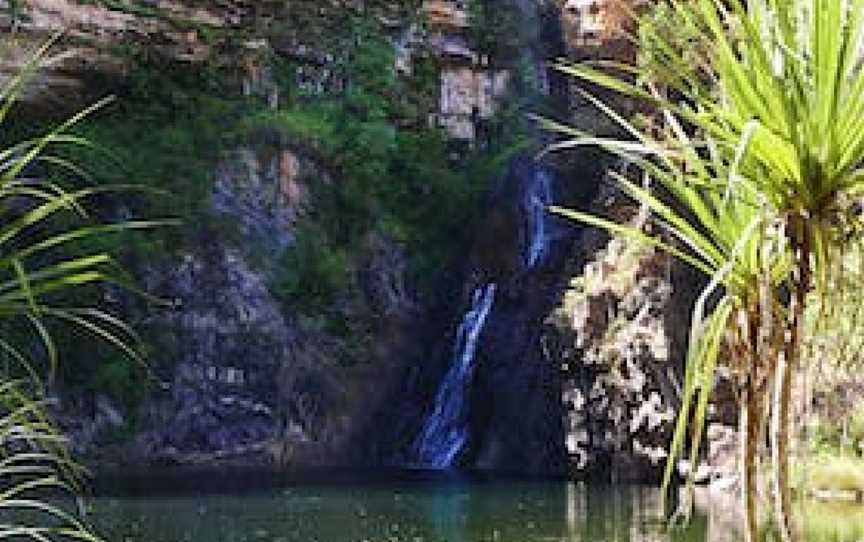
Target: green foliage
834, 344
833, 521
394, 174
835, 317
843, 435
835, 473
668, 36
495, 29
399, 181
120, 379
165, 134
161, 141
44, 226
313, 272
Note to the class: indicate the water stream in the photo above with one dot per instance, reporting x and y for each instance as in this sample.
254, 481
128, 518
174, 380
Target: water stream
537, 198
446, 429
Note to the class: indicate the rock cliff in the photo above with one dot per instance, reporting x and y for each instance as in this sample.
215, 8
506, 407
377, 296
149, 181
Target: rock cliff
300, 323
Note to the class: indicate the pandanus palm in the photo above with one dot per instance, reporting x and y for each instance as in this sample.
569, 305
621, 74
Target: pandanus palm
763, 102
722, 234
41, 257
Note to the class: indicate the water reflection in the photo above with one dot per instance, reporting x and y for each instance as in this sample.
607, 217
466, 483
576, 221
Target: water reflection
624, 514
447, 514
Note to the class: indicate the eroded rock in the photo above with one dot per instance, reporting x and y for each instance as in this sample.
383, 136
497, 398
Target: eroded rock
619, 338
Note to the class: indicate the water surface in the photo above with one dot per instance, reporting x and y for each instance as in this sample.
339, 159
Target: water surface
393, 509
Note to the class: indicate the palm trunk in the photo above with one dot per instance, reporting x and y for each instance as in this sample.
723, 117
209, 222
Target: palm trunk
786, 367
780, 451
750, 425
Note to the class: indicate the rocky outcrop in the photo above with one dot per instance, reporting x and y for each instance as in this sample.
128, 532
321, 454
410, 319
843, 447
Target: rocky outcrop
251, 384
191, 31
469, 98
220, 394
94, 38
583, 23
470, 89
619, 377
598, 27
103, 39
237, 377
98, 38
619, 338
265, 189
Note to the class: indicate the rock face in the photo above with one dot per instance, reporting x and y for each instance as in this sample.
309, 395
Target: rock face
470, 88
243, 374
190, 30
233, 341
619, 338
241, 35
239, 379
250, 385
469, 96
619, 374
590, 389
98, 38
266, 190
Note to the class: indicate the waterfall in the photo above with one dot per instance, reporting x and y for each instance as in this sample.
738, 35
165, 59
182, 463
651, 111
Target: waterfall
537, 197
446, 428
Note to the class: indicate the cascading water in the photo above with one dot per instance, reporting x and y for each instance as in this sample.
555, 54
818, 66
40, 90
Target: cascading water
538, 197
446, 429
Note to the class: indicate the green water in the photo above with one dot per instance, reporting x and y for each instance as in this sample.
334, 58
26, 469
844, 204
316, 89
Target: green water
392, 511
